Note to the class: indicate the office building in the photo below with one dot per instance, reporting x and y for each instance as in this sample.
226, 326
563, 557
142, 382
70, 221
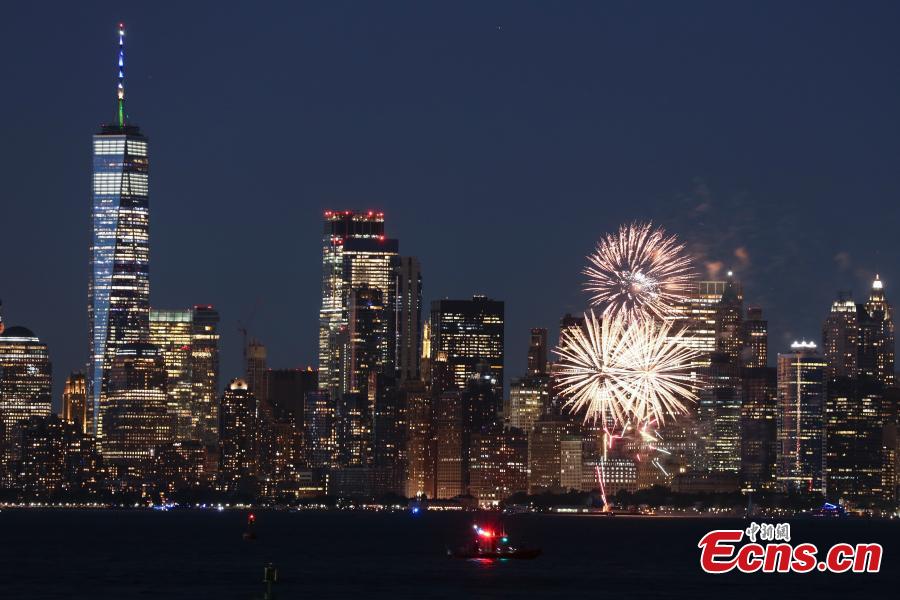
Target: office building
537, 352
319, 431
498, 461
408, 317
470, 334
205, 373
801, 419
255, 366
172, 332
420, 441
119, 288
759, 418
135, 410
355, 252
75, 406
756, 339
545, 452
25, 374
238, 439
448, 435
719, 415
529, 399
853, 433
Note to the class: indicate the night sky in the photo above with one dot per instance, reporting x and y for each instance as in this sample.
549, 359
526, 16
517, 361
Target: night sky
500, 139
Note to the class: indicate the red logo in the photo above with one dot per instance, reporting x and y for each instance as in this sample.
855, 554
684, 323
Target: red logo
720, 552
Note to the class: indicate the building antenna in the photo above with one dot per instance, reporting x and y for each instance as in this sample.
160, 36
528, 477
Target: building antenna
120, 89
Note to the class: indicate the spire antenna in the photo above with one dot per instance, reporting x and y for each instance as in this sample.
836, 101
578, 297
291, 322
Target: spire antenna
120, 89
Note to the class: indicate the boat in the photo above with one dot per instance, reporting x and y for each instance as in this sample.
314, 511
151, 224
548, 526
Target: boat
829, 510
250, 533
490, 545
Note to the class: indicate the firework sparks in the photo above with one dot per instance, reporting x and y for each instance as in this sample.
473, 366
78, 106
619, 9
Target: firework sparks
617, 372
638, 272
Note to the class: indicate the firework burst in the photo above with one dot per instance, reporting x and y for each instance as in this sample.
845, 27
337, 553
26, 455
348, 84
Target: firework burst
640, 271
618, 372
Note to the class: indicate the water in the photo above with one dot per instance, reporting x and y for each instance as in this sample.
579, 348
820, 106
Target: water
201, 554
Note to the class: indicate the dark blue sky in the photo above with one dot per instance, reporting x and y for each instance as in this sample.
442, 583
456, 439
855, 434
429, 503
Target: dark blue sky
500, 139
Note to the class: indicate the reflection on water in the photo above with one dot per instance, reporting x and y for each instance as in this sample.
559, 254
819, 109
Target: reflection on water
190, 554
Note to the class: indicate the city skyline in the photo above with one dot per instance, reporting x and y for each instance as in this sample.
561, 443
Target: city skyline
401, 276
528, 306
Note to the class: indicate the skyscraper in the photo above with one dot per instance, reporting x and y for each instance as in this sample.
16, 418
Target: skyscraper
545, 452
365, 338
759, 418
537, 352
529, 399
449, 449
498, 464
319, 431
840, 338
420, 446
853, 438
135, 410
119, 288
75, 407
189, 342
238, 438
256, 358
801, 418
408, 317
858, 339
699, 314
355, 252
24, 391
755, 353
470, 333
205, 372
171, 331
877, 336
719, 415
729, 321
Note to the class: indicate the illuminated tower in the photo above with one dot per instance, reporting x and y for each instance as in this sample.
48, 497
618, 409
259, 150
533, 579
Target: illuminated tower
170, 331
801, 419
256, 365
136, 410
719, 416
755, 333
537, 352
364, 340
205, 372
840, 338
877, 336
24, 391
759, 418
238, 438
119, 289
355, 251
408, 317
75, 405
729, 313
470, 333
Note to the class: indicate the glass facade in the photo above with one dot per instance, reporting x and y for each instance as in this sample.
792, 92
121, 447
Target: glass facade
171, 331
24, 392
355, 252
801, 419
470, 333
205, 372
119, 290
